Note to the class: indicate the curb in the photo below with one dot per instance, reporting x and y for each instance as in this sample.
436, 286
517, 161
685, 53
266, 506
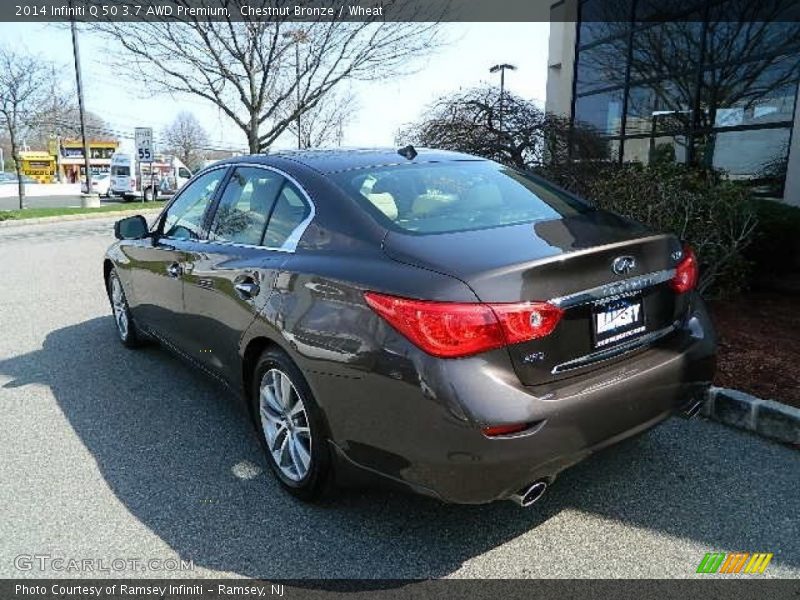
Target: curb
78, 217
766, 418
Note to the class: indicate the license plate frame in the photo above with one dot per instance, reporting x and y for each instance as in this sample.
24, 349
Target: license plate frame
617, 320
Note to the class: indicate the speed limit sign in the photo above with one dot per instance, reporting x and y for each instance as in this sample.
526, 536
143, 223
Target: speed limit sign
144, 144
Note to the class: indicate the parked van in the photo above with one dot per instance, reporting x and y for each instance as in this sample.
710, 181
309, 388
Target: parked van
161, 178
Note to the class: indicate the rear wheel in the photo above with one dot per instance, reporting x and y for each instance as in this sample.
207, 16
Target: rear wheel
122, 314
290, 426
149, 194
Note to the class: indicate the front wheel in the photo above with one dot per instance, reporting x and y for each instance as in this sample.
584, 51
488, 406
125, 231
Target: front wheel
290, 426
122, 314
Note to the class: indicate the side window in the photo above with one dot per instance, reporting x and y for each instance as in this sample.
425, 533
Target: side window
245, 205
290, 210
184, 172
184, 218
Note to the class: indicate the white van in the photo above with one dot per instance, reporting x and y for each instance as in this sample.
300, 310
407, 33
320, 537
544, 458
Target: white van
161, 178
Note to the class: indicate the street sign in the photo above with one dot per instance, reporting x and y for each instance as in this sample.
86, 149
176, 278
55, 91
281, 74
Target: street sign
144, 144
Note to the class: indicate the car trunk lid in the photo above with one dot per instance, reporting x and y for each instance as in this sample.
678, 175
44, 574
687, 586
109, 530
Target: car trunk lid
568, 262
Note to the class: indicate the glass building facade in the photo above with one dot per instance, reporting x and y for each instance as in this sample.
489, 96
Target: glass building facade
707, 82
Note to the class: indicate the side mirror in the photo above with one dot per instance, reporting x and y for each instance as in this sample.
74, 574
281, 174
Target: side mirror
132, 228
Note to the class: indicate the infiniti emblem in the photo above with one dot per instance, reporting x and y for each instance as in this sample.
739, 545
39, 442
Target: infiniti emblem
623, 265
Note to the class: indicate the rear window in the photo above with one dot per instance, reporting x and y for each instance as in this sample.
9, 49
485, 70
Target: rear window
121, 171
457, 196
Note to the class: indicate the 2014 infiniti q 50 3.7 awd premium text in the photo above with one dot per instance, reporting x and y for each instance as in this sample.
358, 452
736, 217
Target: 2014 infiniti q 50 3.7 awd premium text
428, 319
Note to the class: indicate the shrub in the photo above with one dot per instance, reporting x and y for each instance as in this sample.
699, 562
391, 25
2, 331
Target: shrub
775, 250
713, 215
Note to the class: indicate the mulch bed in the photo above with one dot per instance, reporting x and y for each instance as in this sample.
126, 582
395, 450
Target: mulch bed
759, 345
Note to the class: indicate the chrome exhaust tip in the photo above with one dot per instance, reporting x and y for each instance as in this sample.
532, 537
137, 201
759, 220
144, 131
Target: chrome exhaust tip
528, 495
693, 409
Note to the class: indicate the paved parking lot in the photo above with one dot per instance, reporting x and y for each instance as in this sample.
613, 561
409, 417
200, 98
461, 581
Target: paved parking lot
110, 453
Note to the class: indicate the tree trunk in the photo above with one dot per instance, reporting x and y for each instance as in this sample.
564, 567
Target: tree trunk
252, 134
17, 167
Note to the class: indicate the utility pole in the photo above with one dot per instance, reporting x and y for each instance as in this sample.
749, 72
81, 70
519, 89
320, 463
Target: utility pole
298, 36
79, 81
502, 68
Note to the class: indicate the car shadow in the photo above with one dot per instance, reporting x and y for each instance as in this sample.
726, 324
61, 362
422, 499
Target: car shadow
181, 456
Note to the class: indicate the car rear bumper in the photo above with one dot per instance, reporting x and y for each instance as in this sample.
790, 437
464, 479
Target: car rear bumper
418, 422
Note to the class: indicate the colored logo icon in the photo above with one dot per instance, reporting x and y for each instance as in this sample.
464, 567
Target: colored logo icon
735, 562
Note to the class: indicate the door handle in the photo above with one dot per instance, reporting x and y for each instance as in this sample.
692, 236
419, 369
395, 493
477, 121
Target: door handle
174, 270
246, 289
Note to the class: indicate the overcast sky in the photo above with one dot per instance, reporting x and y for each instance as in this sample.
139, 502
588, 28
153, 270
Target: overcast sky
383, 106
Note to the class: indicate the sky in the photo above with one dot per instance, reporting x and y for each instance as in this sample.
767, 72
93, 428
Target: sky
384, 106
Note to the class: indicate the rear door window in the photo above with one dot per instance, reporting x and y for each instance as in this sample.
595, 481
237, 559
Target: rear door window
290, 211
245, 206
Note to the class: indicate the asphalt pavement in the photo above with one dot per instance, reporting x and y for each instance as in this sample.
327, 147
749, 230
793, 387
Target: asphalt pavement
109, 453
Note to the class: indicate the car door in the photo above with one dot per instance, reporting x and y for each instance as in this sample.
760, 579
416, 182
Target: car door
233, 270
158, 263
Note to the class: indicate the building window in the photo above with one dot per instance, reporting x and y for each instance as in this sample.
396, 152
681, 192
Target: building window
601, 112
663, 106
757, 156
716, 84
602, 66
754, 93
661, 149
667, 50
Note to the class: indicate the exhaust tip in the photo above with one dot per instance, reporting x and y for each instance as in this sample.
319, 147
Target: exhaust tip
528, 495
693, 409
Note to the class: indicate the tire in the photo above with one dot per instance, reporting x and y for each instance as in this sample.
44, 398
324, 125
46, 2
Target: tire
126, 329
149, 195
287, 447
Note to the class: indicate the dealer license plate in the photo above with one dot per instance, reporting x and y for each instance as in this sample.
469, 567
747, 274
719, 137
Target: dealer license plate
618, 320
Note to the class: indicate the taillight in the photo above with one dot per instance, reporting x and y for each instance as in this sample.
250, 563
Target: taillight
456, 329
686, 272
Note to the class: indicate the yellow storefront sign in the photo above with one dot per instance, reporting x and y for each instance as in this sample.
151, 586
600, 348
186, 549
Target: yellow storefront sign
40, 166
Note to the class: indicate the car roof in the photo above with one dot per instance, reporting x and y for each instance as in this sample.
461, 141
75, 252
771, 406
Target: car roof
346, 159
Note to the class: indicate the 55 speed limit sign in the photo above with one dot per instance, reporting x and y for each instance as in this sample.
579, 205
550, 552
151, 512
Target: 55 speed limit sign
144, 144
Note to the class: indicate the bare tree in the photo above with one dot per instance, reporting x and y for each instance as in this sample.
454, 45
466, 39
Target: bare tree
324, 124
470, 122
24, 87
264, 71
186, 138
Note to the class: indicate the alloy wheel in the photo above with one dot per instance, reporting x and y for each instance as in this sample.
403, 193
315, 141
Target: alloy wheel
285, 423
120, 307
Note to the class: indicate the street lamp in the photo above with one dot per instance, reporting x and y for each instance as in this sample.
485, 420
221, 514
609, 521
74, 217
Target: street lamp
502, 68
298, 36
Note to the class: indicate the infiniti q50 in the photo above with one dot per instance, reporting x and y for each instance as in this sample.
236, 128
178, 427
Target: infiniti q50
427, 319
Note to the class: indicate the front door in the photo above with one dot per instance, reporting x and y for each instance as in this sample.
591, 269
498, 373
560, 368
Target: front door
159, 267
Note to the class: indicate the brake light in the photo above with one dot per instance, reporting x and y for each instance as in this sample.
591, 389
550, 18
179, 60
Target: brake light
686, 272
456, 329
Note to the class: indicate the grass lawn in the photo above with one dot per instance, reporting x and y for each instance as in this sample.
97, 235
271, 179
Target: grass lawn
33, 213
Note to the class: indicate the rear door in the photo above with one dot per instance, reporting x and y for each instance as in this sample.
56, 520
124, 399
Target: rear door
230, 275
